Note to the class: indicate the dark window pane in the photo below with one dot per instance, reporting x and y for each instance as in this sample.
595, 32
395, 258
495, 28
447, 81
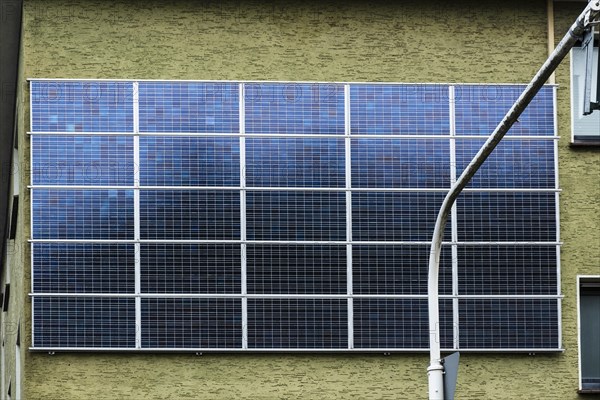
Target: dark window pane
184, 214
524, 217
69, 106
399, 110
82, 214
296, 215
189, 107
400, 163
297, 269
508, 324
83, 322
387, 269
289, 162
191, 323
387, 216
297, 323
513, 164
294, 108
82, 160
479, 109
83, 268
190, 268
398, 324
189, 161
507, 270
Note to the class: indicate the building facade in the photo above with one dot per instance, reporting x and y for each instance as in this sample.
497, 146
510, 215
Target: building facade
413, 42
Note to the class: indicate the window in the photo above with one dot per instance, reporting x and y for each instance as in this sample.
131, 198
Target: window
589, 332
288, 217
585, 128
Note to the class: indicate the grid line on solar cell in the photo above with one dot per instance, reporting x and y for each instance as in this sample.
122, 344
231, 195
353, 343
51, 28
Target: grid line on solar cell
185, 214
296, 269
399, 109
83, 322
480, 108
394, 269
294, 108
386, 216
521, 217
190, 268
508, 323
513, 164
191, 323
71, 106
291, 162
82, 214
405, 163
297, 323
296, 215
83, 268
398, 323
82, 160
506, 270
189, 161
189, 107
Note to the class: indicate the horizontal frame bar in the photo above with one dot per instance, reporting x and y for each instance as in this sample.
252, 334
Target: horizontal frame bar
201, 350
289, 135
275, 82
293, 189
295, 296
283, 242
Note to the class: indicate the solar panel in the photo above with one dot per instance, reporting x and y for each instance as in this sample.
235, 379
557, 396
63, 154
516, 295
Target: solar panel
248, 216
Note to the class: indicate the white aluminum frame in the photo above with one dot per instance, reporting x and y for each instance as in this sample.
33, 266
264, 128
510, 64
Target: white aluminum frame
579, 349
243, 241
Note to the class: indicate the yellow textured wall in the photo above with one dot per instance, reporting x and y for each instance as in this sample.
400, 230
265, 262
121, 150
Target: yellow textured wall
412, 41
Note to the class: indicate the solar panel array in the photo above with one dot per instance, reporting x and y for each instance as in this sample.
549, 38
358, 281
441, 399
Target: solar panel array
288, 216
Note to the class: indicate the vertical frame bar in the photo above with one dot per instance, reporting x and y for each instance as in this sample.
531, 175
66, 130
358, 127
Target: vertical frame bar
136, 215
31, 195
243, 249
557, 211
348, 179
454, 218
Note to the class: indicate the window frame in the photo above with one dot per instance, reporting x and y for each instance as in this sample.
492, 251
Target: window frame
591, 142
580, 280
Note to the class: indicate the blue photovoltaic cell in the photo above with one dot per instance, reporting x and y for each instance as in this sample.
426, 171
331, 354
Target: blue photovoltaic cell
190, 214
398, 323
508, 323
189, 107
294, 108
399, 110
86, 106
101, 322
189, 161
296, 269
504, 270
83, 268
297, 323
480, 108
191, 323
513, 164
387, 269
190, 268
291, 162
406, 163
296, 215
522, 217
82, 160
395, 216
82, 214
